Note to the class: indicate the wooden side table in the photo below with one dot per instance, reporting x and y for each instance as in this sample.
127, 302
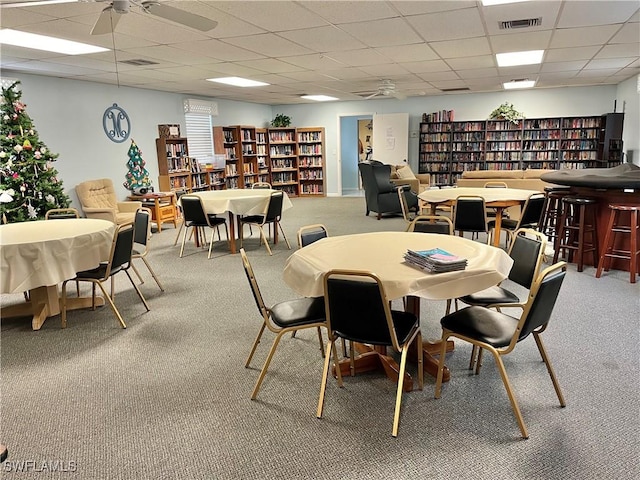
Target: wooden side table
162, 206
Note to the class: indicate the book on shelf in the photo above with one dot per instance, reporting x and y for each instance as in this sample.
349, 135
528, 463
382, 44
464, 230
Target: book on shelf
435, 260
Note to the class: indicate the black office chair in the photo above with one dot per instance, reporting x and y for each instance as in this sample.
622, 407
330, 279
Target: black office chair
271, 216
283, 317
527, 252
119, 261
499, 333
469, 215
196, 219
358, 310
308, 234
142, 229
531, 217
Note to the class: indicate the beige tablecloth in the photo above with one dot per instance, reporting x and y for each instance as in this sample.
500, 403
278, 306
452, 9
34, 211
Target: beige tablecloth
489, 194
239, 201
47, 252
382, 253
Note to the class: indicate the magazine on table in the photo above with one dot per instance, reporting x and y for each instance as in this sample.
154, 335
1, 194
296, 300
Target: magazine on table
435, 260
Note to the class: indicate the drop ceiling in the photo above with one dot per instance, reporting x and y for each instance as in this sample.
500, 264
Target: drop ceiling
339, 48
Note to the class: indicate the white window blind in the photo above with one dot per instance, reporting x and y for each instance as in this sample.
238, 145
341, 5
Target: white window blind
199, 135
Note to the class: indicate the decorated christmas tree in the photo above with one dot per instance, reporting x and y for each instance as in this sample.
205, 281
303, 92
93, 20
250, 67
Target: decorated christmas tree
28, 183
137, 176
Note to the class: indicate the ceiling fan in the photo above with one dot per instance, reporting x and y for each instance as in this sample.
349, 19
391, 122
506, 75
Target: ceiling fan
110, 16
386, 88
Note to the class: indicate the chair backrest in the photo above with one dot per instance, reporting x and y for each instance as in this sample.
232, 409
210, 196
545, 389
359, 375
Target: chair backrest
469, 214
542, 299
495, 184
192, 210
274, 211
142, 226
60, 213
97, 194
431, 224
357, 308
376, 178
532, 211
404, 203
527, 251
253, 283
308, 234
263, 185
121, 249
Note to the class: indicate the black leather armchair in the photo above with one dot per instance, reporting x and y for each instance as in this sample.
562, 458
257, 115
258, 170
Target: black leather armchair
380, 193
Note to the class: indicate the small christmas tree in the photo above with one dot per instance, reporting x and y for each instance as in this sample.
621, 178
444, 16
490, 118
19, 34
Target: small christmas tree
137, 176
28, 182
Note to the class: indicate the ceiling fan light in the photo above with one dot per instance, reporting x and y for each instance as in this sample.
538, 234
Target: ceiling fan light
319, 98
48, 44
238, 82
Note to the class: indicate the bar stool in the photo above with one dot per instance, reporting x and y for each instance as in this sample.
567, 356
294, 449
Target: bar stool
552, 211
609, 251
574, 223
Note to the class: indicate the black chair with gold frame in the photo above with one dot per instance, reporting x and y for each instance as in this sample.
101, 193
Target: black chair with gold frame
196, 219
141, 237
307, 234
283, 317
499, 333
431, 224
469, 215
531, 217
273, 216
358, 310
119, 261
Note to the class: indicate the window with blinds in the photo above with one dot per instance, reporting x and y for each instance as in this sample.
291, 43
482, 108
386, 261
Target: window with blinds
199, 135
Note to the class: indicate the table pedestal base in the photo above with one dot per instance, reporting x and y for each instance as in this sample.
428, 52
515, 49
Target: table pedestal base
44, 302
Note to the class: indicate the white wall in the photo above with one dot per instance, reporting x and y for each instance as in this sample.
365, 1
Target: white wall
68, 117
628, 95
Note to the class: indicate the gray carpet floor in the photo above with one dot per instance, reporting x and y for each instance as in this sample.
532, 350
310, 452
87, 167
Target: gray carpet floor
168, 398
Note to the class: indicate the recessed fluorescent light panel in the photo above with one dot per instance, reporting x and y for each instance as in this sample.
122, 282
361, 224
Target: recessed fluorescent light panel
318, 98
512, 59
488, 3
519, 84
238, 82
48, 44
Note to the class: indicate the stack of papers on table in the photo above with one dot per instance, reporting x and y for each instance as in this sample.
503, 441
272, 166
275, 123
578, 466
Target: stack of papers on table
435, 260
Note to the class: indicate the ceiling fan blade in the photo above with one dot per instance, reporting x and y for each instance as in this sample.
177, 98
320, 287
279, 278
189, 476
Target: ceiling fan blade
179, 16
106, 22
372, 95
399, 96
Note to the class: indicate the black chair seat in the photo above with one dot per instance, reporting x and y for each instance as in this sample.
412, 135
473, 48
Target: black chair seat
482, 324
491, 296
506, 223
427, 227
402, 321
252, 219
300, 311
98, 272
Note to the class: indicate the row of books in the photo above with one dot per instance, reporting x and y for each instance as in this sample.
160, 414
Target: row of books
435, 260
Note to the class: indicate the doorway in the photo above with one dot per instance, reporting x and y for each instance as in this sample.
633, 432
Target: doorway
355, 135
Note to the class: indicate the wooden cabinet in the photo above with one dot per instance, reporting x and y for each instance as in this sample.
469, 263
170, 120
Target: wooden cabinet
174, 164
311, 160
448, 148
283, 153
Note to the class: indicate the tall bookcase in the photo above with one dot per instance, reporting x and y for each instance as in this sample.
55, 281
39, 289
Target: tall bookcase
311, 160
230, 147
262, 155
174, 164
448, 148
247, 164
283, 153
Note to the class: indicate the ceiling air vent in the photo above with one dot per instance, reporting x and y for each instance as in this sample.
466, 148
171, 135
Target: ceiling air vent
458, 89
139, 62
524, 23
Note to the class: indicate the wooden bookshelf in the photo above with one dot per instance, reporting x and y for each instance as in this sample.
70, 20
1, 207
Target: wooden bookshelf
311, 161
262, 155
283, 155
174, 164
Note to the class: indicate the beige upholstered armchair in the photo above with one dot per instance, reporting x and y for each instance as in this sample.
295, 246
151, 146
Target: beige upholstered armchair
98, 200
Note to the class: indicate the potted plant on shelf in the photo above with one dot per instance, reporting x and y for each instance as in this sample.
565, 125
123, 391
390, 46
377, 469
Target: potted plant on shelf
506, 112
281, 120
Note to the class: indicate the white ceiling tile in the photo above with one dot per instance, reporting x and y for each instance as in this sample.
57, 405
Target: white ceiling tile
353, 11
568, 54
585, 13
619, 50
426, 67
478, 73
629, 33
520, 41
383, 33
388, 70
431, 6
563, 66
218, 50
323, 39
272, 16
467, 47
270, 65
268, 44
609, 63
437, 26
358, 58
408, 53
484, 61
574, 37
